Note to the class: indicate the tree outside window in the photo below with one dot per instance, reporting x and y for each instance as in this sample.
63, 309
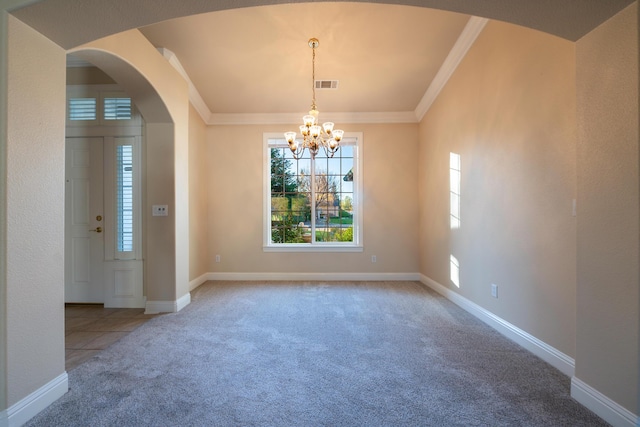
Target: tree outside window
311, 201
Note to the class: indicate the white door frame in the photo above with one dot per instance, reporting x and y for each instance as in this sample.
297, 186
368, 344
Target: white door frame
122, 278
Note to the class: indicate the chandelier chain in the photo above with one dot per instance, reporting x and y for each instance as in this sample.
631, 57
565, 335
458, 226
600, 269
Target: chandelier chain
313, 135
313, 78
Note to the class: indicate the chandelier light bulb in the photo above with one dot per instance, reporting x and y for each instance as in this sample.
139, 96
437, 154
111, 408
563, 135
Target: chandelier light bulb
290, 137
328, 127
309, 120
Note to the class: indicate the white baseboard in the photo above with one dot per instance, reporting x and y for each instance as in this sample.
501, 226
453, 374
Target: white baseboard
586, 395
183, 301
155, 307
549, 354
327, 277
198, 281
601, 405
28, 407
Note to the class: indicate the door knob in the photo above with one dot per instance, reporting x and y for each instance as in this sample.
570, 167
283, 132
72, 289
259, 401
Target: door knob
97, 230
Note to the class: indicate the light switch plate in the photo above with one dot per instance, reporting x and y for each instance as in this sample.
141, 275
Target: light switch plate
160, 210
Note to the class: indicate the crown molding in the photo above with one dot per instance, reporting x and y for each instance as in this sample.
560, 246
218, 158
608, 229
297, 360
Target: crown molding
289, 118
194, 96
459, 50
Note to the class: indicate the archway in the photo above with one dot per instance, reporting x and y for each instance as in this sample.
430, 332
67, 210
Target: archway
152, 245
162, 133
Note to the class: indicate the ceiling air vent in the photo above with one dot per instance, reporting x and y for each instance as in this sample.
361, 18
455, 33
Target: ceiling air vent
326, 84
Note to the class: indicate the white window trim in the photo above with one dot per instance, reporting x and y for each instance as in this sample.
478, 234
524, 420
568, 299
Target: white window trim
111, 252
355, 246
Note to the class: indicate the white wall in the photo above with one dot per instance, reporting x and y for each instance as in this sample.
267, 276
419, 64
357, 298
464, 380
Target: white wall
609, 210
509, 111
34, 299
390, 210
198, 202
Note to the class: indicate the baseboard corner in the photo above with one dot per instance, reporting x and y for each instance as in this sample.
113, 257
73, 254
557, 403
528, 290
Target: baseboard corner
183, 301
31, 405
601, 405
193, 284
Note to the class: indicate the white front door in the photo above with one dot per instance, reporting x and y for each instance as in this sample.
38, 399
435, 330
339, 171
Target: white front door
123, 266
84, 221
103, 198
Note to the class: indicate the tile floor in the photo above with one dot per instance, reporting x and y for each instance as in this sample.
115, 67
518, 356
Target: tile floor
91, 328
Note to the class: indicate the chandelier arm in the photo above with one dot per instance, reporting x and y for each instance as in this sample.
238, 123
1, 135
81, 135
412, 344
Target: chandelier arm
328, 151
298, 152
314, 135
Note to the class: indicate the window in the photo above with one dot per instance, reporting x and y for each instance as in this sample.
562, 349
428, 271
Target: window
124, 198
100, 105
313, 204
122, 182
82, 109
117, 108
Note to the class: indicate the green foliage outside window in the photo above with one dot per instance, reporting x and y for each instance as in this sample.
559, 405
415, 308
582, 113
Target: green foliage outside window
291, 200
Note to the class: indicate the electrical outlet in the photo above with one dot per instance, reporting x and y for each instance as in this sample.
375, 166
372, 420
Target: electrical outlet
374, 258
217, 258
494, 290
160, 210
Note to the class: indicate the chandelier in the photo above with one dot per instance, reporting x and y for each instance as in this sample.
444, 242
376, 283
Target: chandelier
314, 136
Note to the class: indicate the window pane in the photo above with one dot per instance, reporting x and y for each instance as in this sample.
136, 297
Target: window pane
304, 165
117, 108
334, 166
346, 165
124, 198
82, 108
346, 151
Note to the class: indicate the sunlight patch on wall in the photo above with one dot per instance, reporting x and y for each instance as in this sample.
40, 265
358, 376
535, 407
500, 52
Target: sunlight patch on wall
455, 271
454, 190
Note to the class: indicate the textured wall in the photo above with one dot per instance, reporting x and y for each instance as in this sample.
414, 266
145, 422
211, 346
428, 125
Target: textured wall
235, 155
609, 211
509, 111
35, 212
198, 203
87, 76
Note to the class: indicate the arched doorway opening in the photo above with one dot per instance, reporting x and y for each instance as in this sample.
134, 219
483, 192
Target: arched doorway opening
158, 241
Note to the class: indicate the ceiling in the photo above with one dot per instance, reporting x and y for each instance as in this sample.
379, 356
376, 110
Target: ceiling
257, 60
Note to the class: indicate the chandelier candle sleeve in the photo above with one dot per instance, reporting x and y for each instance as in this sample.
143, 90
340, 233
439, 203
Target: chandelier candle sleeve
313, 135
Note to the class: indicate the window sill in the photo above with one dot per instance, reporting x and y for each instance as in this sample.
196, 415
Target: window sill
306, 247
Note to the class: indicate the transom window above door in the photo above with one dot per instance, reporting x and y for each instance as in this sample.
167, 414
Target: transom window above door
99, 106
